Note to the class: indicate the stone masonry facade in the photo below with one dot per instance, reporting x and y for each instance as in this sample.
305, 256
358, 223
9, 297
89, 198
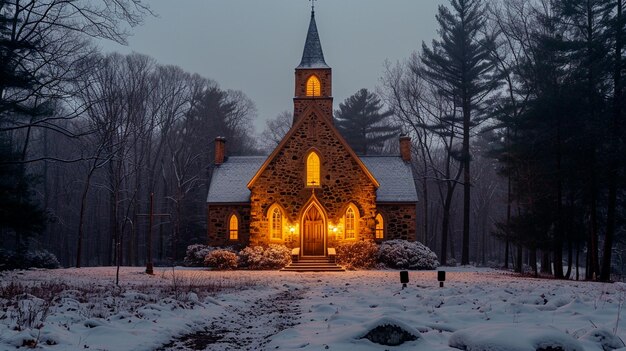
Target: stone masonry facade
399, 221
282, 182
217, 225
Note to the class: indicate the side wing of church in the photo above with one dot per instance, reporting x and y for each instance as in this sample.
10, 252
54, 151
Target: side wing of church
313, 192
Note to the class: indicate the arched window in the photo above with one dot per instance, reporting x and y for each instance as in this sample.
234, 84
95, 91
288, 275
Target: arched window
380, 227
313, 170
276, 224
350, 223
233, 227
313, 86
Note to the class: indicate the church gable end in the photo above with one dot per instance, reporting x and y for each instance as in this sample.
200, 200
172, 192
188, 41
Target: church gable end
284, 179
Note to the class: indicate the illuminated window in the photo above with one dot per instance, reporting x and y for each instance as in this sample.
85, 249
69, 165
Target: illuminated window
313, 86
380, 229
313, 170
233, 228
276, 225
350, 223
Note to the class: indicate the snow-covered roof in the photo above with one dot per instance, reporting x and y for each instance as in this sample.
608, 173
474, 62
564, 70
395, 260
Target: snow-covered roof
313, 57
395, 177
230, 179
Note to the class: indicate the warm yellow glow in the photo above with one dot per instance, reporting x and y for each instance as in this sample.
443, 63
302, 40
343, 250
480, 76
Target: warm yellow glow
292, 229
233, 228
350, 223
380, 229
313, 170
276, 224
313, 86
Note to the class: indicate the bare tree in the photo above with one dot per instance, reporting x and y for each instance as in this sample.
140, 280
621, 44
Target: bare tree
430, 120
275, 130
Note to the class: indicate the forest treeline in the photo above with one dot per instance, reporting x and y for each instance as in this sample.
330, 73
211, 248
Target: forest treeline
515, 111
87, 137
533, 90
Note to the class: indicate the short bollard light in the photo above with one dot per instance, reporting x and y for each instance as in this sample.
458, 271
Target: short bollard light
404, 278
441, 277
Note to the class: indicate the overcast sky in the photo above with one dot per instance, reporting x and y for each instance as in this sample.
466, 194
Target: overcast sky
254, 45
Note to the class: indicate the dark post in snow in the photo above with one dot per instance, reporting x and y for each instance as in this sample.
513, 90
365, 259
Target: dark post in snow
404, 278
149, 265
441, 277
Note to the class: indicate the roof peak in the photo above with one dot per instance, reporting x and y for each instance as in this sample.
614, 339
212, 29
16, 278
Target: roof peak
312, 56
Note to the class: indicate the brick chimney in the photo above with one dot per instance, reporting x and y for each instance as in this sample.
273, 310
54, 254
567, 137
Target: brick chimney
220, 150
405, 148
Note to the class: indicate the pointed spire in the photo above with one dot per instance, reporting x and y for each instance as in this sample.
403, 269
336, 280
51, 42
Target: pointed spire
313, 57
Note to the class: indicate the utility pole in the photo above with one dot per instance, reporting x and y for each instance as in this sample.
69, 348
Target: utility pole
151, 215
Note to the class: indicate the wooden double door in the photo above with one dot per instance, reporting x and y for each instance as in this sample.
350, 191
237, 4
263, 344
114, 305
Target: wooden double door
314, 234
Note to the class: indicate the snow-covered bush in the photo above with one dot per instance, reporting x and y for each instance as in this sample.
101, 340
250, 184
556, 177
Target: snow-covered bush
41, 258
195, 255
265, 257
7, 259
407, 255
221, 259
34, 258
357, 255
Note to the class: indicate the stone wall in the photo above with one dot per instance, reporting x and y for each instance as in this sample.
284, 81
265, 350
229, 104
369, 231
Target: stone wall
325, 105
283, 181
400, 221
217, 224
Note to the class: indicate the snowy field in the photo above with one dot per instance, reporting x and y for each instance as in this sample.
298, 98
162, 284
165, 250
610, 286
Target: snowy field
191, 309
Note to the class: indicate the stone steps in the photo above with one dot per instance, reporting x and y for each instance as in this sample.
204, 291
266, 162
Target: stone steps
317, 264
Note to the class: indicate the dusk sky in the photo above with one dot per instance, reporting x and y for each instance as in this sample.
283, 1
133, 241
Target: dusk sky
254, 46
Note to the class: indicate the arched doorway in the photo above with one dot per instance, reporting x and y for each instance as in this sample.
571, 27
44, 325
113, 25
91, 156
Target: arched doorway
314, 233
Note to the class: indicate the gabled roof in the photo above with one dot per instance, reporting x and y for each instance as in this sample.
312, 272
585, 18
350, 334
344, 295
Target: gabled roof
307, 112
313, 57
228, 182
395, 177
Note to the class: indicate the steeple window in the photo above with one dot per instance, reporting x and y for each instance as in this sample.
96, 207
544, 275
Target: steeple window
313, 87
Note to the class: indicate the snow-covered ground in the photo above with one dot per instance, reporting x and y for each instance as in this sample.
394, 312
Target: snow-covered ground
478, 309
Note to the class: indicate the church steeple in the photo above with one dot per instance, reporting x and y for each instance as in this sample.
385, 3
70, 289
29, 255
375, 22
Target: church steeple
313, 78
313, 56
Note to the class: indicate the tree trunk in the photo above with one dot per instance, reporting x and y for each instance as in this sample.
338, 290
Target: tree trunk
532, 260
508, 217
569, 259
519, 265
445, 226
466, 181
81, 218
616, 124
545, 262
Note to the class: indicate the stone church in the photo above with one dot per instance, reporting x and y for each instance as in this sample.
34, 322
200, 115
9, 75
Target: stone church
312, 192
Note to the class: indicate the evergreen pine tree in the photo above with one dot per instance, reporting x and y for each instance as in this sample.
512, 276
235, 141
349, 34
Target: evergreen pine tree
459, 65
19, 214
362, 123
